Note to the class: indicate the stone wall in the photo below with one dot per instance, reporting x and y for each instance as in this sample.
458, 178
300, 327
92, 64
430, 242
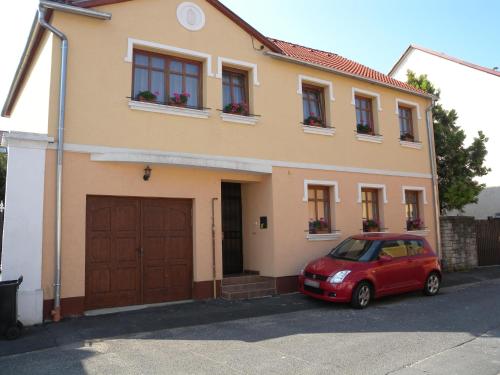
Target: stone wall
458, 243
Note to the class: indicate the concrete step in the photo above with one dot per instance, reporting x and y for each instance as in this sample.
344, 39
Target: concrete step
247, 287
245, 279
248, 294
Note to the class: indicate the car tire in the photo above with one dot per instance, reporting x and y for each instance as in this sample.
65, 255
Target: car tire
362, 295
432, 284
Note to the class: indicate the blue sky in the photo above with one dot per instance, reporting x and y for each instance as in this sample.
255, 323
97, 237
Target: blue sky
376, 33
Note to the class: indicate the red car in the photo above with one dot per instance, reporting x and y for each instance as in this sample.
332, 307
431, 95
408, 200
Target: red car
369, 266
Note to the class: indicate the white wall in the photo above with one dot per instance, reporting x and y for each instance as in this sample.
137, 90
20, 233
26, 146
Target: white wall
474, 94
22, 232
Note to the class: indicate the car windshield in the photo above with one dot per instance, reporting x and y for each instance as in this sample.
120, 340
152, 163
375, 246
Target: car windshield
353, 249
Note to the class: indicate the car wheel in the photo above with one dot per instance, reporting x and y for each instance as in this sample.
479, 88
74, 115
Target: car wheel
362, 295
432, 284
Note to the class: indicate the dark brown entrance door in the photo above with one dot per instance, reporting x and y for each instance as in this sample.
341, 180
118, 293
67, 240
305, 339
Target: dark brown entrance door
137, 251
232, 242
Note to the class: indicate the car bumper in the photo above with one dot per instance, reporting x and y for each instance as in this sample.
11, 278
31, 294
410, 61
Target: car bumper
328, 292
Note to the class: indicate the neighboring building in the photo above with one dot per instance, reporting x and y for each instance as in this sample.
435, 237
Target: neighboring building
470, 89
319, 146
488, 205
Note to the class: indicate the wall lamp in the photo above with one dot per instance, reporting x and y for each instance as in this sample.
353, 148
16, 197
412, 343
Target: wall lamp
147, 173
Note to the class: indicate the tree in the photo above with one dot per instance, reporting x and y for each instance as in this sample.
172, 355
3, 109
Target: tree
457, 165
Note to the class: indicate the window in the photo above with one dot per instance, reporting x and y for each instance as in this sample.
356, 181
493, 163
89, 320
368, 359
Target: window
167, 80
394, 249
235, 91
406, 124
415, 247
319, 209
369, 203
413, 221
313, 105
364, 115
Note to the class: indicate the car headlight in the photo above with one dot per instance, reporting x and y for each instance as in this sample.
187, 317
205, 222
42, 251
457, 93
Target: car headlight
338, 277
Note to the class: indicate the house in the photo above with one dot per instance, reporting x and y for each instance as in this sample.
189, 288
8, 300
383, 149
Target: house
468, 88
488, 205
174, 158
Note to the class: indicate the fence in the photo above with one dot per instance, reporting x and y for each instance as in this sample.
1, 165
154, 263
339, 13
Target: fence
488, 242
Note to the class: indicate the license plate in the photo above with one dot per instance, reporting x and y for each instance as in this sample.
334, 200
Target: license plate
314, 284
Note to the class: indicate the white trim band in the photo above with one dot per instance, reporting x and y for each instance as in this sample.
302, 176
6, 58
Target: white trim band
318, 130
323, 236
238, 64
318, 81
372, 186
239, 119
374, 95
416, 106
369, 138
415, 145
168, 109
166, 48
333, 184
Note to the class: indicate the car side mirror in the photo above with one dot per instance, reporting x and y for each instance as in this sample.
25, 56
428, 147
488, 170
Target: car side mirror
385, 258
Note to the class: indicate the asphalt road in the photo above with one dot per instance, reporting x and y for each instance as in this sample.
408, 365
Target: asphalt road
456, 332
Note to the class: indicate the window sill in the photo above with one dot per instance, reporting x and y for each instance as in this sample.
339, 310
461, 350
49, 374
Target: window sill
318, 130
239, 119
323, 237
416, 145
369, 138
378, 232
168, 109
419, 232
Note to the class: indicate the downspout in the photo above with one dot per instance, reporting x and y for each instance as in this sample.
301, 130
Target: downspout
435, 187
214, 268
43, 6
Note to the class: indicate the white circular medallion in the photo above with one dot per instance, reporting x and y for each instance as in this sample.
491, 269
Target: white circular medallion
190, 16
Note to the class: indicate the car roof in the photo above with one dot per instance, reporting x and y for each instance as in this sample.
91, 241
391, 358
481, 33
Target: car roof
387, 236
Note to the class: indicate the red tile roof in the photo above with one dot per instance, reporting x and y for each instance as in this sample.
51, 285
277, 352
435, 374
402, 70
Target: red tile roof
339, 63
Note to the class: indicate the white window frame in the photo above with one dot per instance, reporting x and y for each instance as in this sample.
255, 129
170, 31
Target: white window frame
414, 105
372, 94
372, 186
320, 82
413, 188
221, 61
329, 183
164, 48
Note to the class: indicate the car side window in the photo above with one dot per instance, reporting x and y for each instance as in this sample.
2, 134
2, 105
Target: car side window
415, 247
394, 249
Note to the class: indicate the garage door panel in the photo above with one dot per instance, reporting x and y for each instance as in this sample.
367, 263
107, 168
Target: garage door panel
177, 248
125, 218
126, 250
100, 219
99, 281
100, 249
124, 279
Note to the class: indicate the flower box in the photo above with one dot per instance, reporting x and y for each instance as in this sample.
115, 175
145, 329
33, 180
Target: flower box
236, 109
364, 129
407, 137
313, 121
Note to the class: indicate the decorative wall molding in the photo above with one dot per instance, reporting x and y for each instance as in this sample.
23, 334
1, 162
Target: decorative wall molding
372, 94
26, 140
318, 130
414, 105
239, 119
168, 109
370, 138
415, 145
221, 61
318, 81
372, 186
333, 184
414, 188
323, 236
168, 49
420, 232
190, 16
94, 149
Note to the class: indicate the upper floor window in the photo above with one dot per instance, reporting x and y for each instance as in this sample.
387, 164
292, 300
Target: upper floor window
235, 91
319, 209
364, 115
406, 124
370, 207
413, 219
313, 105
167, 80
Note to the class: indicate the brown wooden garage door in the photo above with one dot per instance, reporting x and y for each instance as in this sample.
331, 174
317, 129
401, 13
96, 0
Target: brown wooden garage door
138, 251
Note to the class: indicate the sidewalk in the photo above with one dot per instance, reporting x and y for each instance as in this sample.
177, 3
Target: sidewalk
186, 314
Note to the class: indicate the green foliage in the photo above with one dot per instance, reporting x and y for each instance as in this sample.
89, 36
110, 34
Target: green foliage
3, 173
457, 165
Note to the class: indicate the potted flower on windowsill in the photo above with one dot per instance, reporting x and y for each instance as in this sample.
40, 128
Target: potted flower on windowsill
313, 120
237, 109
370, 226
414, 224
147, 96
318, 226
364, 129
179, 100
407, 137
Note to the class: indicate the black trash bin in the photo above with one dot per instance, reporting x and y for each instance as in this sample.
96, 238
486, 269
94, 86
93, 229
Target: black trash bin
10, 327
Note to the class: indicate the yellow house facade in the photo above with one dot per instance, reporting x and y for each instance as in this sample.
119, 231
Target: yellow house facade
195, 149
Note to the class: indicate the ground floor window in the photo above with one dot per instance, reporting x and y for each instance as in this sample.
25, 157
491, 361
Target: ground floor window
319, 209
413, 218
370, 207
